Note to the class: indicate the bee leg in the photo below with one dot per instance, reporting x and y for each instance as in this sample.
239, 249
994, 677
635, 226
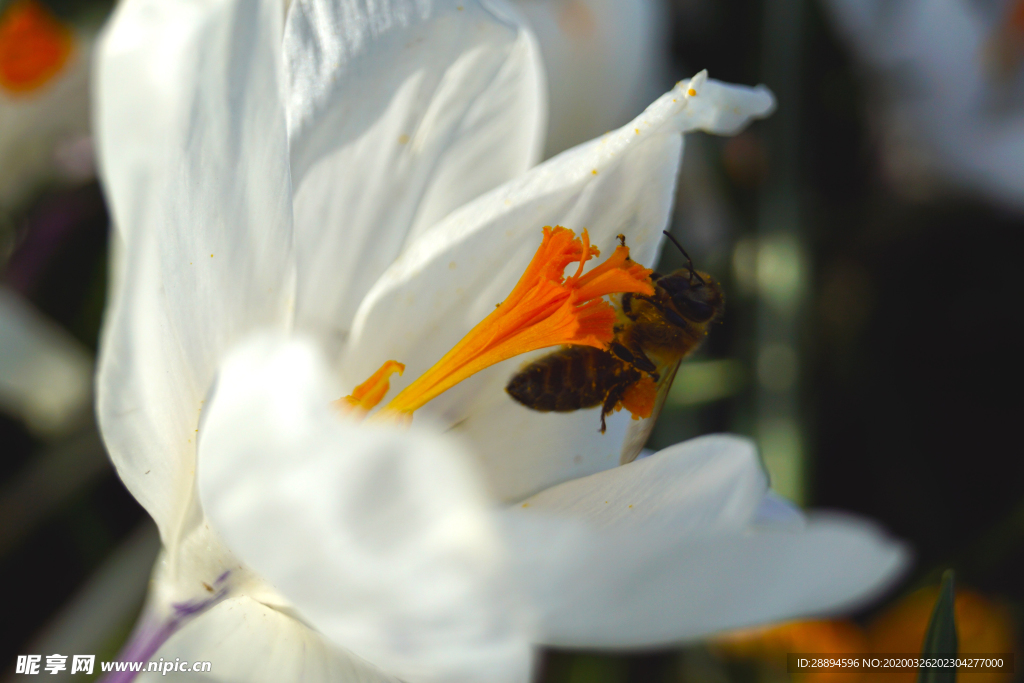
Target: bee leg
642, 362
633, 353
627, 299
627, 305
621, 352
610, 401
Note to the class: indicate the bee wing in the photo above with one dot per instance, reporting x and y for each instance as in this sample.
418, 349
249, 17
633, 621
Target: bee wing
638, 432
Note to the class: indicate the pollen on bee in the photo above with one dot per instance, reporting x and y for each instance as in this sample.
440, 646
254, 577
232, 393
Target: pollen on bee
640, 398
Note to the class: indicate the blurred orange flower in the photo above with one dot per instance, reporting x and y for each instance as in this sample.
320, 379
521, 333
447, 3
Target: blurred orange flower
34, 46
982, 626
770, 645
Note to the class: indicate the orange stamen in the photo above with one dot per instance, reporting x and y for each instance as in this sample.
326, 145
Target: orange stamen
34, 46
617, 274
544, 309
586, 253
367, 395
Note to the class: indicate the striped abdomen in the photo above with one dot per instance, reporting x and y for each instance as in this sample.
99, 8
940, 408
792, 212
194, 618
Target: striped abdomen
571, 378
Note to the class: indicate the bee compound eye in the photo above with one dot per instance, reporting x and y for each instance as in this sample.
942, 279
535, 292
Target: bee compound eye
695, 310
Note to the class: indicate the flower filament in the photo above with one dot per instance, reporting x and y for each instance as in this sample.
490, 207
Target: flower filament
544, 309
368, 394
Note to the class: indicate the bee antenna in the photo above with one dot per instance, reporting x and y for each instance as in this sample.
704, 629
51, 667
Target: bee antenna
689, 261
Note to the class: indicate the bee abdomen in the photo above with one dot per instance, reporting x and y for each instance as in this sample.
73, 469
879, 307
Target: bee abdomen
569, 379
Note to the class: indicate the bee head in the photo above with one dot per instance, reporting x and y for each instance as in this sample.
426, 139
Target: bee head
694, 295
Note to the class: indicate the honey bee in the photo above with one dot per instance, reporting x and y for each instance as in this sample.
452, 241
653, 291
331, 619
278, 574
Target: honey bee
652, 335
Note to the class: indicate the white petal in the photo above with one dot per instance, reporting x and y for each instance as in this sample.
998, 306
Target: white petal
45, 374
193, 152
651, 587
520, 450
247, 642
605, 60
398, 113
381, 538
451, 278
775, 510
699, 487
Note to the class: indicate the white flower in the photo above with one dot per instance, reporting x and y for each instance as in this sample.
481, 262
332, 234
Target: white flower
605, 60
952, 81
290, 210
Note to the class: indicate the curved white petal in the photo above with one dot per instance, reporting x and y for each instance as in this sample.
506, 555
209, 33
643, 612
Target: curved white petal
775, 510
621, 183
193, 153
652, 586
699, 487
247, 642
380, 537
398, 113
605, 60
45, 374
